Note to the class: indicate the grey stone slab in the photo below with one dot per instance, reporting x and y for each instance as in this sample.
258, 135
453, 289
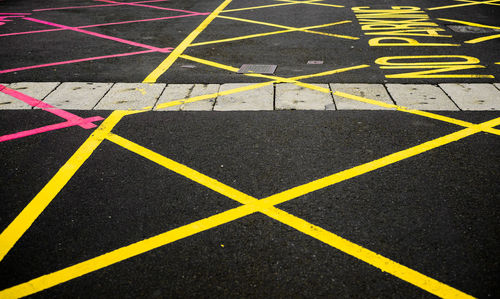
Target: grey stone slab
250, 100
130, 96
473, 96
175, 92
77, 95
420, 97
292, 97
371, 91
37, 90
497, 85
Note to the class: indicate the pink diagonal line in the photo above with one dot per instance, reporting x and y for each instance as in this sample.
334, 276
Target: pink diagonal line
116, 39
107, 24
48, 128
92, 6
149, 6
46, 107
79, 60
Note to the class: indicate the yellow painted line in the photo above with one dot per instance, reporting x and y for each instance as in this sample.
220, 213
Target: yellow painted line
266, 34
287, 27
182, 170
327, 73
482, 39
257, 7
494, 3
311, 3
463, 4
386, 265
469, 23
172, 57
30, 213
50, 280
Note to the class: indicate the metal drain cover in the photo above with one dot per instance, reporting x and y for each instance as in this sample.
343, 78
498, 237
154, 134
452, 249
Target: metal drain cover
257, 68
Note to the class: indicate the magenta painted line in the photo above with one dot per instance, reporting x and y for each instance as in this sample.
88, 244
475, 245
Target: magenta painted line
108, 24
15, 13
91, 6
80, 60
149, 6
46, 107
116, 39
50, 128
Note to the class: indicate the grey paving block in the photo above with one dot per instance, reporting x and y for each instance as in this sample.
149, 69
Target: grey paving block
37, 90
292, 97
371, 91
473, 96
420, 97
251, 100
175, 92
130, 96
77, 95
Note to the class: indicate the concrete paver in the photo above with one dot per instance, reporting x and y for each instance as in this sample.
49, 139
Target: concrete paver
131, 96
292, 97
420, 97
370, 91
184, 91
77, 95
37, 90
252, 100
480, 96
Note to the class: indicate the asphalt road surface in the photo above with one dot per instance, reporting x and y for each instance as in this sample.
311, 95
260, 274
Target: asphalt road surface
343, 204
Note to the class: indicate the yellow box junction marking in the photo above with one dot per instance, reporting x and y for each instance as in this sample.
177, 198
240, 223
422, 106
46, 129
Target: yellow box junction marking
479, 39
274, 5
265, 206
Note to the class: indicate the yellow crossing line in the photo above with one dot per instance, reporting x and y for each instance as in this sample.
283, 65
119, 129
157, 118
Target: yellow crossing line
345, 95
266, 206
270, 33
469, 3
288, 27
30, 213
172, 57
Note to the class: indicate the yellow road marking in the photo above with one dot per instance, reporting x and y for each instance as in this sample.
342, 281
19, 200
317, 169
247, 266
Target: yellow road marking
288, 27
172, 57
463, 4
311, 3
269, 33
479, 39
346, 95
482, 39
265, 206
30, 213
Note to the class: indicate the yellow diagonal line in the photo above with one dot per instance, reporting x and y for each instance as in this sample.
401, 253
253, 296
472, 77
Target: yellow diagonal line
346, 95
494, 2
463, 4
30, 213
311, 3
288, 27
266, 34
469, 23
172, 57
482, 39
267, 6
265, 206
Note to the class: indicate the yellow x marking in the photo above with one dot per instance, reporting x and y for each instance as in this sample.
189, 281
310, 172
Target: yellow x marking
275, 5
479, 39
468, 3
288, 27
273, 33
249, 205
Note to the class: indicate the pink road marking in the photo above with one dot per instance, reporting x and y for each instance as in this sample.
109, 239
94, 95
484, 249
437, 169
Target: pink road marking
79, 60
46, 107
91, 6
50, 128
149, 6
107, 24
116, 39
15, 13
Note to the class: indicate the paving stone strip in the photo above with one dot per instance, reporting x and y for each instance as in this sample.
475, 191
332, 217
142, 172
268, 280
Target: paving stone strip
284, 96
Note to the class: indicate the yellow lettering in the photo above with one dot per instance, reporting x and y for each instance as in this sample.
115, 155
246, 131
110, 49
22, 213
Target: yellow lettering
412, 32
406, 42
